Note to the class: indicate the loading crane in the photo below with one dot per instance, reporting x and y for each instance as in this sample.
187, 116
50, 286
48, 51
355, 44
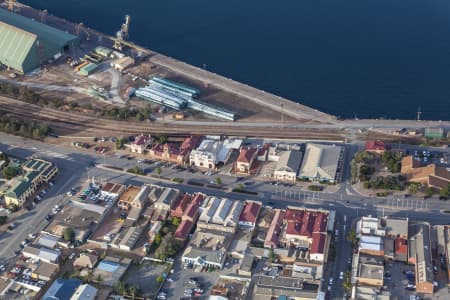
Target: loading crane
11, 5
122, 34
80, 29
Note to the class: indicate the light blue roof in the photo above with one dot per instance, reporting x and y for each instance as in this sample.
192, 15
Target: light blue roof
108, 266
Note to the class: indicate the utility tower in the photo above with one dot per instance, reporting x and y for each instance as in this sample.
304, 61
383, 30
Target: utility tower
79, 29
43, 15
122, 34
419, 113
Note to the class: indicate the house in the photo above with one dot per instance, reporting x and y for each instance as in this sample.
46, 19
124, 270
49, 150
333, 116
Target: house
183, 230
375, 146
288, 166
220, 214
245, 160
111, 270
85, 292
86, 260
175, 153
140, 144
62, 289
44, 271
249, 214
42, 254
432, 175
320, 162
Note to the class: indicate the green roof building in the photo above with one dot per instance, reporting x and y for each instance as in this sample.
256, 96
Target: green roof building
25, 44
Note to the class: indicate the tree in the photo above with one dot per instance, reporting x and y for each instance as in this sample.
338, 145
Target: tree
159, 279
429, 192
157, 239
69, 234
3, 156
240, 187
271, 255
351, 237
158, 171
99, 279
168, 247
176, 221
413, 188
3, 219
444, 193
162, 139
218, 181
133, 291
10, 172
120, 288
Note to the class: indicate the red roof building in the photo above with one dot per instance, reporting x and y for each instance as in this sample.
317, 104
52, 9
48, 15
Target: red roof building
376, 146
183, 230
173, 152
191, 212
275, 228
401, 249
181, 206
249, 214
318, 243
245, 160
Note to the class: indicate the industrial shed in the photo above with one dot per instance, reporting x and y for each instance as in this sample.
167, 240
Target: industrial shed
25, 44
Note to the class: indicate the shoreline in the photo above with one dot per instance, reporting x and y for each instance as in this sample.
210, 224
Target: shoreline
278, 104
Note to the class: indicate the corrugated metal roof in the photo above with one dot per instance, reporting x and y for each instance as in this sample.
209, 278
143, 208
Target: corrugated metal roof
15, 45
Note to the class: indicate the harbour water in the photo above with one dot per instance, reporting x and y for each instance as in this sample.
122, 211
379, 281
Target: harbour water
350, 58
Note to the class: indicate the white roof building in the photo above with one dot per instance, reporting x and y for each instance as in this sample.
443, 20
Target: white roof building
212, 152
320, 162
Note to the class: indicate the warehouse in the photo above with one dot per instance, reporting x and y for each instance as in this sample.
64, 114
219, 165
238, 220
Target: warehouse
26, 44
321, 162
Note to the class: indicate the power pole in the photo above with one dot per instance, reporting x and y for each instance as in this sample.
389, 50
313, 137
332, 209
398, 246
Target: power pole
419, 113
281, 115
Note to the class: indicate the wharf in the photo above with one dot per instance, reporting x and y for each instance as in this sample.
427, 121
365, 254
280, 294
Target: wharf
275, 103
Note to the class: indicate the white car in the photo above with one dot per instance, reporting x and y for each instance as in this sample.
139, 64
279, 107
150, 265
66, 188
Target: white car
341, 275
72, 256
330, 282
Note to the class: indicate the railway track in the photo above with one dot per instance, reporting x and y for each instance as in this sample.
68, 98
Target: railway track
71, 123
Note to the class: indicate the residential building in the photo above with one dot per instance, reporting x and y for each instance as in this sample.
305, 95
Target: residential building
62, 289
42, 254
86, 260
140, 143
245, 160
321, 162
181, 206
85, 292
212, 153
155, 228
432, 175
288, 166
375, 146
128, 198
111, 270
249, 214
220, 214
397, 232
44, 271
420, 255
207, 249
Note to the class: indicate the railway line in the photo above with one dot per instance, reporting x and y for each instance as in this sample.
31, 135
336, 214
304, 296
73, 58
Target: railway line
71, 123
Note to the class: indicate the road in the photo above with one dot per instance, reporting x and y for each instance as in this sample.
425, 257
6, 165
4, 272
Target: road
75, 166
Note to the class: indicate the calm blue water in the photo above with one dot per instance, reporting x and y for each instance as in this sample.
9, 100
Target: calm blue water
372, 58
